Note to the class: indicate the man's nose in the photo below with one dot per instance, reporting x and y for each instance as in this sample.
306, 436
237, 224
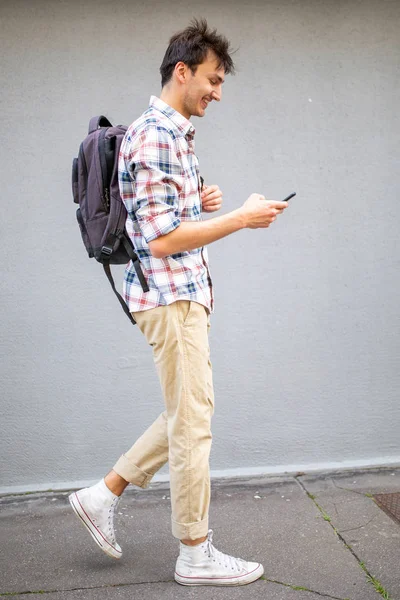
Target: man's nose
216, 95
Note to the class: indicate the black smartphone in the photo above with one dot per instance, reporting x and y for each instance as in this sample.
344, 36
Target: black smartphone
288, 197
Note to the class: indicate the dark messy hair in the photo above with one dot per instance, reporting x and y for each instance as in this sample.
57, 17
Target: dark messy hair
191, 46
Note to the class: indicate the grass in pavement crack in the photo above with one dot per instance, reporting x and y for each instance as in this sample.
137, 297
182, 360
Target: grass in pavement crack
377, 585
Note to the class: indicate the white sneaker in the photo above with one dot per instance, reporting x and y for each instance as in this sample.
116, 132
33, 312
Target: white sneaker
205, 565
95, 508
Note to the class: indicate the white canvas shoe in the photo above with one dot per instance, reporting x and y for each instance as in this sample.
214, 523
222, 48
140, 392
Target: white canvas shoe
205, 565
95, 508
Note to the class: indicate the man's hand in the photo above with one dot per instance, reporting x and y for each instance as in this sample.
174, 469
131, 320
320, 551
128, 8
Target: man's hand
211, 198
259, 212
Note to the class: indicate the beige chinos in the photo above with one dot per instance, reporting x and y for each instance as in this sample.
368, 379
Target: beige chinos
178, 334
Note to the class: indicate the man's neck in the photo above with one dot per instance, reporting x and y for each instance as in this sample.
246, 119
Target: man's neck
176, 103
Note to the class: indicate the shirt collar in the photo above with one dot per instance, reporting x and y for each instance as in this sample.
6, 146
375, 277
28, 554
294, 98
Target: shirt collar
173, 115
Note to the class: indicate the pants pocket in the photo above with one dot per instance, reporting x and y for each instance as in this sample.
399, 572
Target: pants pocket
185, 309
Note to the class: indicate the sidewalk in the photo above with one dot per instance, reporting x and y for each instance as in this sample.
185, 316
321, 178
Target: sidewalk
312, 533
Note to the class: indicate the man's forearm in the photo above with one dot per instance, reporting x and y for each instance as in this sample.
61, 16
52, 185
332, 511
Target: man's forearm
190, 235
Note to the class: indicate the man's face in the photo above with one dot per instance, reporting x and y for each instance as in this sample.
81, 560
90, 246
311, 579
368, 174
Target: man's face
203, 87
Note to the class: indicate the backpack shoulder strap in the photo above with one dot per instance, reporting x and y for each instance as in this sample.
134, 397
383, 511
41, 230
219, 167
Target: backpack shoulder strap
107, 270
99, 121
136, 263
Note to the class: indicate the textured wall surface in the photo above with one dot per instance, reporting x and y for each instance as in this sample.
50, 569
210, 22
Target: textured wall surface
305, 336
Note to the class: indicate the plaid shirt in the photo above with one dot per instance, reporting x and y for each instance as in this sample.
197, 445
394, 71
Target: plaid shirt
160, 186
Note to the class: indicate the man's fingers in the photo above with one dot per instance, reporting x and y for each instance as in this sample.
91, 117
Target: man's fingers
213, 200
212, 205
280, 205
208, 190
211, 194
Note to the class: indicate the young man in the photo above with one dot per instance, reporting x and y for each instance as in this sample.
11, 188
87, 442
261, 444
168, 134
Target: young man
161, 189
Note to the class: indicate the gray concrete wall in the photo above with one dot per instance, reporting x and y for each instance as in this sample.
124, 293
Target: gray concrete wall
305, 337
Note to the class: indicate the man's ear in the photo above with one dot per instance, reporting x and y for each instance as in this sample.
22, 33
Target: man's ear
181, 72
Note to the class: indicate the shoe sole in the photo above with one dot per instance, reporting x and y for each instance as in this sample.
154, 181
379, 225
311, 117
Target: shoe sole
91, 527
233, 581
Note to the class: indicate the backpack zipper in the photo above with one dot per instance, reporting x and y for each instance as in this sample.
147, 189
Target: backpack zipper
106, 199
103, 168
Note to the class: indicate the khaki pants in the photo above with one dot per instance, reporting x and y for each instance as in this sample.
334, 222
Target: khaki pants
178, 334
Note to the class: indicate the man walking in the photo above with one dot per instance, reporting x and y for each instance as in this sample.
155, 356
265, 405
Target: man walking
161, 189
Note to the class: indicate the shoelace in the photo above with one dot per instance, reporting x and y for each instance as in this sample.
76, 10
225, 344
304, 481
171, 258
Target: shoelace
223, 559
111, 511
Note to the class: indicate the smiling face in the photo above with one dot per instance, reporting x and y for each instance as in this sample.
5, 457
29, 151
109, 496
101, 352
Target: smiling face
202, 87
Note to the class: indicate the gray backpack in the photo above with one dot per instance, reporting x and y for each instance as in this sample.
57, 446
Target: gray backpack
101, 214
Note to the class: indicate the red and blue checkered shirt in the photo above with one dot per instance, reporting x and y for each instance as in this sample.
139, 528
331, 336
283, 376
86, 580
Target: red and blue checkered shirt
160, 186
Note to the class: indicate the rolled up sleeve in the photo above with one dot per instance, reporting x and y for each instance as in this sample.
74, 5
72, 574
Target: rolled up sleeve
158, 181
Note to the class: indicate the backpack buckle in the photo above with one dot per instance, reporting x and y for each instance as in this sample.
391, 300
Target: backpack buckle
106, 250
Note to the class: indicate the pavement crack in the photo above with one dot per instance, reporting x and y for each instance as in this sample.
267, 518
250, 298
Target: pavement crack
78, 589
359, 527
303, 589
339, 487
117, 585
